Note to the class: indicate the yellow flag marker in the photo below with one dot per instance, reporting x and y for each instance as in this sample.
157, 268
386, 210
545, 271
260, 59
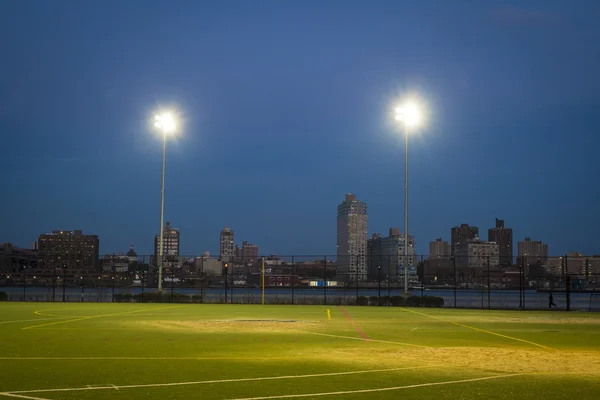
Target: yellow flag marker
328, 313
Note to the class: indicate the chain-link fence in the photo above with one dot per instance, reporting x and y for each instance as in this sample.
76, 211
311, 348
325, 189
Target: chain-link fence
562, 283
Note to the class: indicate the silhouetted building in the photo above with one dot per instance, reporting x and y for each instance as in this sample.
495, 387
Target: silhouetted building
352, 239
16, 260
504, 238
440, 249
248, 253
462, 234
226, 249
387, 253
68, 252
170, 243
477, 253
532, 251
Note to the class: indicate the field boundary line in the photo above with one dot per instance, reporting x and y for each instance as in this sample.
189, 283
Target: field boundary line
264, 378
477, 329
43, 312
29, 320
8, 394
96, 316
358, 329
384, 389
293, 357
366, 340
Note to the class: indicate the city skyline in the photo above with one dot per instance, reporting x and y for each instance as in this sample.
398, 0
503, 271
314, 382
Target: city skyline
278, 120
229, 249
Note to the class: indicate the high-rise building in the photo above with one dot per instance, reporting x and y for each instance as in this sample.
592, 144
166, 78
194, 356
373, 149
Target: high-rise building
227, 251
351, 239
248, 253
532, 251
68, 251
170, 243
462, 234
387, 253
477, 253
504, 238
439, 250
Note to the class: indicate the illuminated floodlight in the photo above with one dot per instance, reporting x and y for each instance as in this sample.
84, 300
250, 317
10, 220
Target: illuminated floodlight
165, 122
409, 114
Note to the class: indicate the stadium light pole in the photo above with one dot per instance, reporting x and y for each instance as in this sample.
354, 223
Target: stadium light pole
165, 122
409, 115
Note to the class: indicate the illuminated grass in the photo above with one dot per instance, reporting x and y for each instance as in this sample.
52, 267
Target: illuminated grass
129, 351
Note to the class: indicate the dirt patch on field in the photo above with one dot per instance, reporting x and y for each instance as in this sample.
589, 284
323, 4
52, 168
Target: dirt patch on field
490, 359
234, 325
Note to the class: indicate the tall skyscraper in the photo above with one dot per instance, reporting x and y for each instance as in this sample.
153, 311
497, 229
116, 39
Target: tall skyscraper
227, 250
351, 239
504, 239
532, 251
462, 234
439, 250
170, 243
68, 251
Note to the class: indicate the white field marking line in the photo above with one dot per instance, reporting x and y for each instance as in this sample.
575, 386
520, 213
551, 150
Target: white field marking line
265, 378
29, 320
97, 316
21, 396
414, 329
103, 386
365, 340
151, 358
385, 389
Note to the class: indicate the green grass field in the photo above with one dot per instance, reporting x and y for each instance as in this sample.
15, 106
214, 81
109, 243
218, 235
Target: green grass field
147, 351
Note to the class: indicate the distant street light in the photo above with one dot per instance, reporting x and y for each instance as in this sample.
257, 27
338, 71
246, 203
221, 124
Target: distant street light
166, 123
410, 115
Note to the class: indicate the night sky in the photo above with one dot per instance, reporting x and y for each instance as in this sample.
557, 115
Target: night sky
287, 106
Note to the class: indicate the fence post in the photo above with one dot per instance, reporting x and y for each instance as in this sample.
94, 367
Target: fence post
568, 292
202, 280
113, 281
293, 278
325, 280
24, 285
143, 283
454, 265
389, 288
521, 292
488, 284
226, 282
356, 280
379, 285
53, 282
172, 282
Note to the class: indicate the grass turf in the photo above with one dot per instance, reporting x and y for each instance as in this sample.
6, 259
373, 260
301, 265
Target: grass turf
131, 351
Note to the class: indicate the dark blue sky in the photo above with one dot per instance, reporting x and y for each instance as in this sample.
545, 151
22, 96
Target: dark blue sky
286, 107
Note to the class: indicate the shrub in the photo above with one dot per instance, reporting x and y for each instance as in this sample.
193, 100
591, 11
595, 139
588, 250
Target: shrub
197, 298
433, 301
123, 297
362, 301
413, 301
3, 296
397, 301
